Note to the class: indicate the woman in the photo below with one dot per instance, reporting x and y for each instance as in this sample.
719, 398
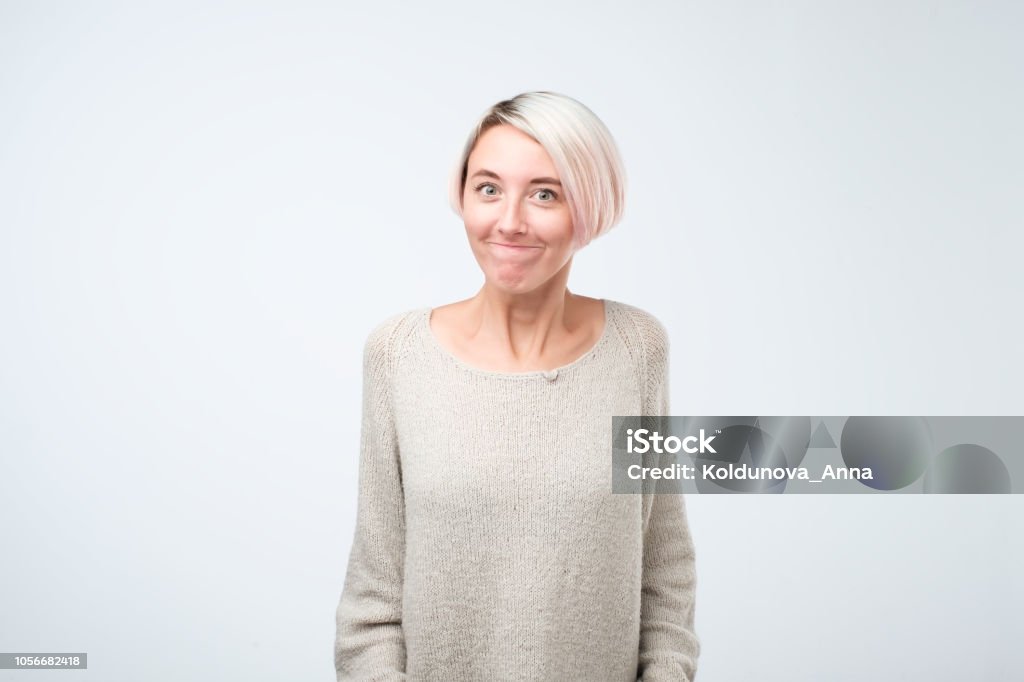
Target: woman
488, 543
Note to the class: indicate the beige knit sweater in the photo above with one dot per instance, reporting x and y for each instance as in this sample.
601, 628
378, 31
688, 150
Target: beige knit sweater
488, 542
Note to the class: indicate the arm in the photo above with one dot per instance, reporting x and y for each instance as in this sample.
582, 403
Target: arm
370, 644
669, 646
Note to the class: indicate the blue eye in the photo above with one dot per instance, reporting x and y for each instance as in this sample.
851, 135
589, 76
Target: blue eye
484, 185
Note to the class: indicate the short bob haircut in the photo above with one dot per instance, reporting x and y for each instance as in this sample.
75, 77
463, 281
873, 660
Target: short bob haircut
583, 151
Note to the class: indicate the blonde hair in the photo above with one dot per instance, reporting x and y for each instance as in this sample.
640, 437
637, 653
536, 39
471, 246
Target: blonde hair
583, 151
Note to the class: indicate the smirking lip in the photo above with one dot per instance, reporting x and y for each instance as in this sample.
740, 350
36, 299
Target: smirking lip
515, 251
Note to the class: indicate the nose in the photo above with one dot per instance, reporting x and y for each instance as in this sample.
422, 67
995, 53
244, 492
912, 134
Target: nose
511, 220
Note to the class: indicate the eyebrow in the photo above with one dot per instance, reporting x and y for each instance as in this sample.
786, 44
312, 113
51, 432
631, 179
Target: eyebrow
535, 181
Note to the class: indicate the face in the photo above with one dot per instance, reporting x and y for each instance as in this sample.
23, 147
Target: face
517, 218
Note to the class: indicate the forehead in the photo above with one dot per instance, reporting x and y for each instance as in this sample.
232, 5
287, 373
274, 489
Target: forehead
510, 153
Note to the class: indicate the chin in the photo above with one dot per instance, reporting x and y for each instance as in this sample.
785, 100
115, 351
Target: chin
511, 285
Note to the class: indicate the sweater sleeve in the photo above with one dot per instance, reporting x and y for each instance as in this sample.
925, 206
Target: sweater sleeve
669, 646
369, 644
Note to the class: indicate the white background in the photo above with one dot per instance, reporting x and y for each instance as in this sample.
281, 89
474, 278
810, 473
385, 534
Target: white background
205, 209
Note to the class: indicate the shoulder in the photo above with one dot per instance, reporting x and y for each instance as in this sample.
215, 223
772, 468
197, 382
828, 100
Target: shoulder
643, 332
388, 338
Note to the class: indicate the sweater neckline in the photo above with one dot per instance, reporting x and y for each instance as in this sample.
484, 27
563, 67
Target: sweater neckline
550, 374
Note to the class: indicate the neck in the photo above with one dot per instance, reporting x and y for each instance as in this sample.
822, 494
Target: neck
523, 325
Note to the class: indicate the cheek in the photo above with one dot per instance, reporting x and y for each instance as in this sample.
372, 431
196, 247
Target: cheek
477, 218
474, 225
555, 228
